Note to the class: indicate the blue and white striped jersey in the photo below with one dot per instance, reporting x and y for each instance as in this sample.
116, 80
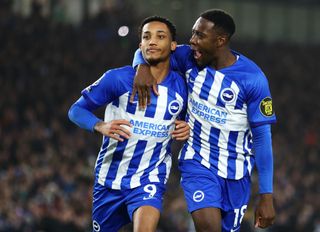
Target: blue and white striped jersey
146, 156
222, 107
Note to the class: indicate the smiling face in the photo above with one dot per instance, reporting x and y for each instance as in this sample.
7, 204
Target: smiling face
156, 42
205, 42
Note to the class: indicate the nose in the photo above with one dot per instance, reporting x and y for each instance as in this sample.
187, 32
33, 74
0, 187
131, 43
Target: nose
152, 41
192, 39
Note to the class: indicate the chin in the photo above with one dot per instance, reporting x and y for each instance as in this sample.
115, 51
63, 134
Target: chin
153, 61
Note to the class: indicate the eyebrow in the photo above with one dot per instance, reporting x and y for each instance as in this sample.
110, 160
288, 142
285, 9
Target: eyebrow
159, 31
198, 32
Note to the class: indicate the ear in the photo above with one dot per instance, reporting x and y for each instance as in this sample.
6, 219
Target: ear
222, 40
140, 45
173, 45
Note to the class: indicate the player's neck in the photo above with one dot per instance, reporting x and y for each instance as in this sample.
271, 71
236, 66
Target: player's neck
160, 70
224, 59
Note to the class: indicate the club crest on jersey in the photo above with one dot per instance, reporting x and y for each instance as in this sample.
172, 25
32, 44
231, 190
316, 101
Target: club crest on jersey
266, 107
228, 95
174, 107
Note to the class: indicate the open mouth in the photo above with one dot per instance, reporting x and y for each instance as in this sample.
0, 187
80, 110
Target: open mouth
197, 54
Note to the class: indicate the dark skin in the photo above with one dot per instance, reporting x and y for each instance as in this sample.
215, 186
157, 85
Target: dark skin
211, 48
210, 45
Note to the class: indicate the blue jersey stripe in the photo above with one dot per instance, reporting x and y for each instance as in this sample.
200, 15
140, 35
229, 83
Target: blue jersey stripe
134, 162
245, 165
187, 117
162, 172
117, 157
183, 151
131, 107
168, 148
206, 87
116, 103
151, 109
232, 141
196, 145
192, 76
239, 103
162, 175
245, 141
252, 160
154, 158
213, 141
102, 153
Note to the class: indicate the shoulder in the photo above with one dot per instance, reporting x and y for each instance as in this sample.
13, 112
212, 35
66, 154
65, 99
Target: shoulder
121, 76
114, 79
176, 77
250, 73
177, 83
183, 52
184, 48
248, 66
120, 72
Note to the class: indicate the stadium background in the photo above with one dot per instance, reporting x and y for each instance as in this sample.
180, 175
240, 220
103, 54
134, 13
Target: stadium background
50, 50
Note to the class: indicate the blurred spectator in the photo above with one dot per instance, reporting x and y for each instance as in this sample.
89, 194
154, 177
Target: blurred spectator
46, 163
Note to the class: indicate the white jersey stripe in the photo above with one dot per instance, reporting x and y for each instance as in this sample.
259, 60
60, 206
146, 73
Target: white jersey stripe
240, 156
153, 175
216, 86
205, 151
223, 154
162, 102
249, 164
123, 167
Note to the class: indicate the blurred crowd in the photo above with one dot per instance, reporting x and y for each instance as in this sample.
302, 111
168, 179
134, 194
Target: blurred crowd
46, 162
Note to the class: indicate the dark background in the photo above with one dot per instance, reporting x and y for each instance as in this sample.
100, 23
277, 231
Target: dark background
47, 56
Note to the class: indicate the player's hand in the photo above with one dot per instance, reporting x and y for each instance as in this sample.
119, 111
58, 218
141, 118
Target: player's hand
114, 129
265, 213
181, 131
143, 81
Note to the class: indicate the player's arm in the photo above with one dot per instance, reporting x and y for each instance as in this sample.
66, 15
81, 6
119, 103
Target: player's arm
100, 93
143, 81
262, 145
81, 113
180, 59
261, 116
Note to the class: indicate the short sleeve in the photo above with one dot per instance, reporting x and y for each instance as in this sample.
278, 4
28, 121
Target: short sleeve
103, 91
260, 108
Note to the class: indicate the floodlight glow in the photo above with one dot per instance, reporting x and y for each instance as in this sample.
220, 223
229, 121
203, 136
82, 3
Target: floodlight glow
123, 31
